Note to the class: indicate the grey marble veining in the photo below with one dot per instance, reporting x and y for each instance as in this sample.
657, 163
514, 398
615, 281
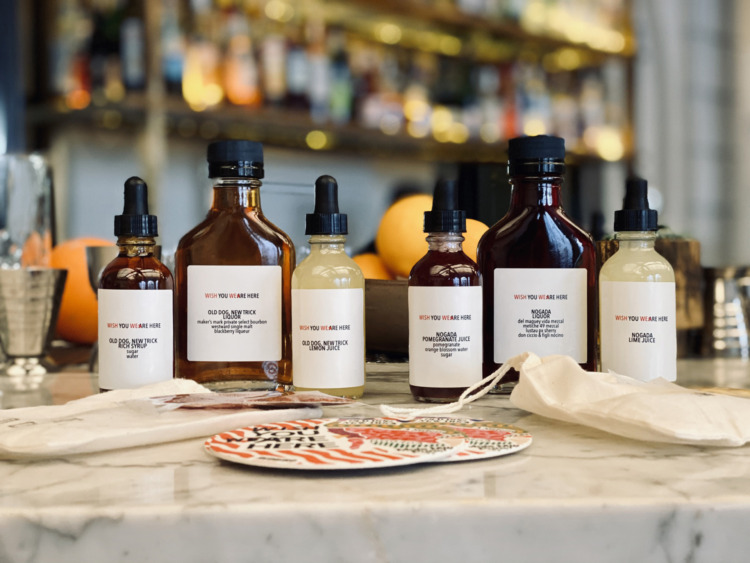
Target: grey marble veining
577, 494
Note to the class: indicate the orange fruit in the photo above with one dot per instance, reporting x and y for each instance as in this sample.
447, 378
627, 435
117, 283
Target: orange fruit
372, 266
400, 241
77, 321
474, 231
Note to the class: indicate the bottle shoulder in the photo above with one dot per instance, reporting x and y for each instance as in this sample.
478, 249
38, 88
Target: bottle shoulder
535, 221
641, 265
272, 230
445, 268
136, 272
238, 222
333, 271
234, 237
535, 240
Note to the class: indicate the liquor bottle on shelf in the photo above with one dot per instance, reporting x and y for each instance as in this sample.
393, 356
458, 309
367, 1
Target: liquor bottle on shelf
133, 49
364, 70
241, 77
511, 121
490, 103
105, 55
273, 64
298, 68
417, 94
535, 110
319, 91
342, 84
202, 86
172, 47
69, 69
565, 115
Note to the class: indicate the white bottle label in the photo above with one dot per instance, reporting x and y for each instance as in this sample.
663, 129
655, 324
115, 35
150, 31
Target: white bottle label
540, 310
135, 337
328, 338
234, 313
445, 336
638, 329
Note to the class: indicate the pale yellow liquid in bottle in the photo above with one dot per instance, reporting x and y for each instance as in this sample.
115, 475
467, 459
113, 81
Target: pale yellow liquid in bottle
636, 260
328, 267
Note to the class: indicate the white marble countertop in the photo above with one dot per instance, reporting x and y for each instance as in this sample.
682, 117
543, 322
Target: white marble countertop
575, 495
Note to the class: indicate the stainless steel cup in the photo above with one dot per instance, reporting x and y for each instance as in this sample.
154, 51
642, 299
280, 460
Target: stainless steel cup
29, 304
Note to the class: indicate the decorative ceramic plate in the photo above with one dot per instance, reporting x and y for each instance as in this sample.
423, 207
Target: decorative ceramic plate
336, 443
485, 439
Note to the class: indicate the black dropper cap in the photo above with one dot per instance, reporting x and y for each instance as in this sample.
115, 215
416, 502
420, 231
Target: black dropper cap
135, 220
635, 214
326, 219
540, 153
235, 159
445, 216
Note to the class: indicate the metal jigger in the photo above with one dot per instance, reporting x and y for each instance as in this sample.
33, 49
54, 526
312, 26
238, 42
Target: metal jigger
29, 303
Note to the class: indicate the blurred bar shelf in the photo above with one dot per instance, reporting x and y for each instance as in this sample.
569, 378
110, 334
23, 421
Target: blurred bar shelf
518, 37
279, 127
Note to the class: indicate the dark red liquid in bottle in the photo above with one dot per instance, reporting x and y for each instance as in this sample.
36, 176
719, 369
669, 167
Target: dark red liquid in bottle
535, 233
444, 265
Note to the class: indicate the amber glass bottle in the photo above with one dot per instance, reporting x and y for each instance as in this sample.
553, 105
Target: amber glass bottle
233, 276
135, 323
445, 306
538, 267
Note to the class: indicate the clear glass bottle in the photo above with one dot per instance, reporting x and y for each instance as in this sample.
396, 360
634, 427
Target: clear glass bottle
328, 304
637, 296
445, 306
135, 299
233, 276
538, 267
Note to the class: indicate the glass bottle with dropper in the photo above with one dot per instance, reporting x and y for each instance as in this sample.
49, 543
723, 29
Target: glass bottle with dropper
445, 306
233, 282
637, 295
328, 332
135, 300
538, 267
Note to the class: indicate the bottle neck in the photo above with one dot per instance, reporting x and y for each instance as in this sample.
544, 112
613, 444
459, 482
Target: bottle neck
130, 245
445, 242
535, 191
636, 240
236, 192
327, 244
